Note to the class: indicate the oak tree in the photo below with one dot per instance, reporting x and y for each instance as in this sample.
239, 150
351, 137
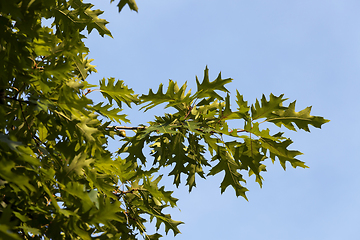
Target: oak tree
58, 178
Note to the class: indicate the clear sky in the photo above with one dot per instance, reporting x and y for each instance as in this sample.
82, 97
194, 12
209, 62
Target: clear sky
308, 50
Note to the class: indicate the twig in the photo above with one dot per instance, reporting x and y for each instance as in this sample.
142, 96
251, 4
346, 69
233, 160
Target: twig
190, 108
241, 130
89, 91
29, 129
119, 193
19, 100
126, 128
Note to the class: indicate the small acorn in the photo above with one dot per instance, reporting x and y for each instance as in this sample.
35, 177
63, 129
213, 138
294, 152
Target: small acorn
122, 133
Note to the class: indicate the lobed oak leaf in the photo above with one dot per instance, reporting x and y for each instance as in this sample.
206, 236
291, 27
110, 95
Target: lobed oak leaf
232, 176
111, 114
267, 108
93, 21
279, 150
174, 96
301, 119
118, 92
207, 88
131, 3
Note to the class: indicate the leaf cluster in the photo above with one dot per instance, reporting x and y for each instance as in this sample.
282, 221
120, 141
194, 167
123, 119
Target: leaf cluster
200, 125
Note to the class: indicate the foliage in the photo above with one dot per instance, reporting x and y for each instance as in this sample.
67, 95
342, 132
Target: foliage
49, 192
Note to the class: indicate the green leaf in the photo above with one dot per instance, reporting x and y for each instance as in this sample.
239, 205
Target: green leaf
169, 223
159, 193
43, 132
279, 150
302, 119
94, 197
195, 127
164, 127
155, 236
131, 3
243, 108
211, 142
249, 157
85, 125
78, 164
227, 113
81, 64
111, 114
207, 88
134, 146
26, 154
265, 133
179, 157
118, 92
232, 176
93, 21
174, 95
267, 108
125, 170
108, 211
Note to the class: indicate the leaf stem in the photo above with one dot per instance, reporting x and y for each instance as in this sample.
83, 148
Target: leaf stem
89, 91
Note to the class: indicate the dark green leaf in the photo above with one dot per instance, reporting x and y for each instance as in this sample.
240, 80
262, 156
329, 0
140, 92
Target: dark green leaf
207, 88
131, 3
232, 176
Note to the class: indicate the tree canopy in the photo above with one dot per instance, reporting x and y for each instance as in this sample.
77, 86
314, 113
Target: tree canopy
58, 178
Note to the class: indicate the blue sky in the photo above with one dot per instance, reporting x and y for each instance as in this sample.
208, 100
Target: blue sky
308, 50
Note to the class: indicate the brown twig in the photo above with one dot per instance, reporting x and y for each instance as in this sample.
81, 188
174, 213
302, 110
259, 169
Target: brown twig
190, 108
89, 91
126, 128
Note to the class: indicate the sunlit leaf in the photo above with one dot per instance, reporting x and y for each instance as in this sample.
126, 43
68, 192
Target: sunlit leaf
117, 91
301, 119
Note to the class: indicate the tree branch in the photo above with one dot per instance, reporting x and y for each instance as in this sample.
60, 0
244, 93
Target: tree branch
127, 128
